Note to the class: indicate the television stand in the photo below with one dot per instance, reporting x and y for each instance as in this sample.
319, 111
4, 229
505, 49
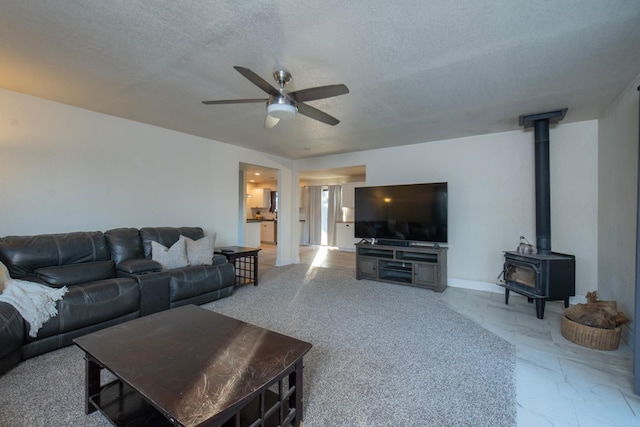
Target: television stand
409, 264
390, 242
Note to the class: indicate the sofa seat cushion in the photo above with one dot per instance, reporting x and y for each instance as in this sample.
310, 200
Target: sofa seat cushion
192, 281
74, 274
92, 303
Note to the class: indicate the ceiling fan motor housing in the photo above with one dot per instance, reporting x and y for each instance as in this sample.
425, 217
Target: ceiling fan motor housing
282, 77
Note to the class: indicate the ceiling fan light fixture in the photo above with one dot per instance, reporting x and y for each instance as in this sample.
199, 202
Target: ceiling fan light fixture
282, 111
270, 122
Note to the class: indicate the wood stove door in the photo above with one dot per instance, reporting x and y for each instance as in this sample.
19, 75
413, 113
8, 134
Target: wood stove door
526, 275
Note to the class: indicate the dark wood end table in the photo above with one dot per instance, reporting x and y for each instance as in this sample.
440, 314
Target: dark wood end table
189, 366
245, 262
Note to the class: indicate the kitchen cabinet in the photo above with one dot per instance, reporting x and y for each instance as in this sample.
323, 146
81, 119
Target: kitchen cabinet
268, 232
301, 230
260, 198
252, 234
347, 193
345, 236
302, 197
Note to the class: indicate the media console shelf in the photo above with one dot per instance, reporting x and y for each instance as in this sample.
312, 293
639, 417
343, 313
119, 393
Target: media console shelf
413, 265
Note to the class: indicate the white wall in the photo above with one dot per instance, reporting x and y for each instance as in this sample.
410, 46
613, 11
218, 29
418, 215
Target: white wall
65, 169
618, 163
491, 194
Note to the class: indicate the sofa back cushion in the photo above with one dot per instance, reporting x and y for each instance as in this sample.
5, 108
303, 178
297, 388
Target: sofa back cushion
166, 236
24, 254
74, 274
124, 244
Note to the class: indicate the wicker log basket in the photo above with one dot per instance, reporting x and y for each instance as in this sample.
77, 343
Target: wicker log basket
596, 324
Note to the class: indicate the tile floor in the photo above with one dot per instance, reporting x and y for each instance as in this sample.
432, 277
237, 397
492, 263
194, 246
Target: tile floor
559, 383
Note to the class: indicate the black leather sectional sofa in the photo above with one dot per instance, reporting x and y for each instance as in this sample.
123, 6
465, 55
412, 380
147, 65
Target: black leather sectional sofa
111, 278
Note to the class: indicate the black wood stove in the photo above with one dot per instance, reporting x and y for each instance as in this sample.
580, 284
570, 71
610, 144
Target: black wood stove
541, 278
547, 275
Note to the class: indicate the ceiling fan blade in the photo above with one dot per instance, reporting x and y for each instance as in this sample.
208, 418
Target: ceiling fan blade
257, 80
270, 121
319, 92
316, 114
234, 101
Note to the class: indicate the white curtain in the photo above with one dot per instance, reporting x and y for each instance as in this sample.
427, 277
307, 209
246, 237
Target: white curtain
334, 213
305, 216
314, 215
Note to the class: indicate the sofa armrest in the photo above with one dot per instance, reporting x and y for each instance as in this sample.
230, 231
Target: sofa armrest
219, 259
35, 279
139, 266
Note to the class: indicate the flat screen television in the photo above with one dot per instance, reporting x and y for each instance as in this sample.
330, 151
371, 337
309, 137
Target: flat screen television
413, 212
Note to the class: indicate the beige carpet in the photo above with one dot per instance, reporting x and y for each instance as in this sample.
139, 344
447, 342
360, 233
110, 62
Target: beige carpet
383, 355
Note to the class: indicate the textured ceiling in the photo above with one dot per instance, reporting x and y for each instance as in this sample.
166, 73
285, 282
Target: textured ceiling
417, 70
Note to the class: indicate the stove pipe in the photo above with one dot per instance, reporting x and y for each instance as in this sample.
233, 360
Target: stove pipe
543, 187
541, 122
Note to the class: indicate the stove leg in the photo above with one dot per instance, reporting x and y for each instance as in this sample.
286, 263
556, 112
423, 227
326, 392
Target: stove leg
540, 308
506, 296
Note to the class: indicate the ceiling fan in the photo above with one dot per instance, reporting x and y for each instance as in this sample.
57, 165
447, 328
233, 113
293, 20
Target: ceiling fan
282, 104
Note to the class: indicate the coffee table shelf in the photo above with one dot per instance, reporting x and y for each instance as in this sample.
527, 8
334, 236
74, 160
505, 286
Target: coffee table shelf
251, 415
124, 407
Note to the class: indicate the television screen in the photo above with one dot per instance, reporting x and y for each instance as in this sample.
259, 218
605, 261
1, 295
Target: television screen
415, 212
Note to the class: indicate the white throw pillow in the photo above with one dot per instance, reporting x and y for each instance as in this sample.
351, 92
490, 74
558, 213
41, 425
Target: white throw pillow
173, 257
4, 277
200, 252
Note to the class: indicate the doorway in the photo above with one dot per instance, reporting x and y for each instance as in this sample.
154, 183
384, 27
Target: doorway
258, 204
314, 215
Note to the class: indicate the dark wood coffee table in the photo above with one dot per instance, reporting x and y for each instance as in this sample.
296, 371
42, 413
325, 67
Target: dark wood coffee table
192, 367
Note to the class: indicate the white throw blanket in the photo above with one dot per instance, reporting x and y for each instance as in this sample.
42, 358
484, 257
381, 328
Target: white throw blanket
35, 302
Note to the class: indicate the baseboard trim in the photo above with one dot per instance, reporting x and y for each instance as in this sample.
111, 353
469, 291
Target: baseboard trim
474, 285
281, 263
492, 287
